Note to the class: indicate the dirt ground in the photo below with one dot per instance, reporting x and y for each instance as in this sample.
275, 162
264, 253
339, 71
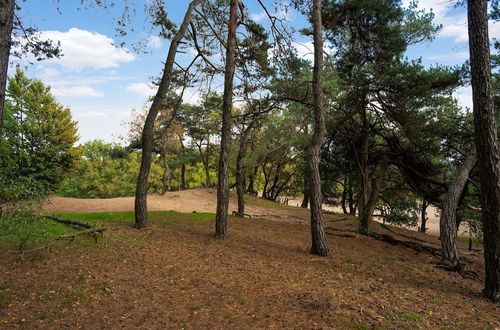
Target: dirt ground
176, 275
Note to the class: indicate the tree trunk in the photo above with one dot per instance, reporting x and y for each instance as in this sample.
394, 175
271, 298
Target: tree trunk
240, 174
6, 25
487, 144
343, 200
251, 181
305, 201
141, 208
206, 164
447, 221
364, 170
166, 177
352, 205
227, 104
423, 216
365, 220
319, 244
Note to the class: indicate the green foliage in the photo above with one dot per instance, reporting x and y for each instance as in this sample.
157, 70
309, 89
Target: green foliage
39, 135
36, 153
106, 171
22, 228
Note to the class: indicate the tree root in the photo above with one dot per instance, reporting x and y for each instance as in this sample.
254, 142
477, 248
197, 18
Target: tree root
342, 234
236, 214
411, 245
459, 268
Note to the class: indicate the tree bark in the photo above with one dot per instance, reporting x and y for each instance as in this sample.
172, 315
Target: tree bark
364, 222
319, 245
206, 164
423, 216
240, 175
166, 177
7, 8
251, 181
487, 144
447, 221
365, 214
141, 208
227, 104
305, 201
352, 204
343, 201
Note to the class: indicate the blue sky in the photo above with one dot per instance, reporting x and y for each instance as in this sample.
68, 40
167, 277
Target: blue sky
102, 82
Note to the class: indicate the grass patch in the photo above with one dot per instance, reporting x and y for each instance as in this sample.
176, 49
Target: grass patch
267, 203
195, 308
162, 219
27, 231
475, 240
411, 317
4, 300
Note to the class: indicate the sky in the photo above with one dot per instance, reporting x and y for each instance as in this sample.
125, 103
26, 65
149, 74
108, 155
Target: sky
102, 82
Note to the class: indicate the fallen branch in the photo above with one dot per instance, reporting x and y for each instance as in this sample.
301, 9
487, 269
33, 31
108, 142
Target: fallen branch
89, 231
69, 221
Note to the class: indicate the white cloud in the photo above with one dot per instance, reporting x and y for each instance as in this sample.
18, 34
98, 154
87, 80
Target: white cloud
142, 89
305, 50
154, 42
85, 49
456, 56
464, 97
258, 17
453, 20
282, 12
191, 96
91, 114
76, 91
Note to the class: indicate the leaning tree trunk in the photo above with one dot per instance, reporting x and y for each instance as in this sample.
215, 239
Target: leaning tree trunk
343, 201
305, 201
206, 164
141, 208
447, 222
166, 177
487, 144
366, 213
319, 244
423, 216
6, 24
227, 104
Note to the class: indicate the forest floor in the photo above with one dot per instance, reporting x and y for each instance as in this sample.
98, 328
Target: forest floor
174, 274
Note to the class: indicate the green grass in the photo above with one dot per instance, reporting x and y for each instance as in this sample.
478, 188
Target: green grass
267, 203
30, 231
4, 299
159, 218
475, 240
411, 317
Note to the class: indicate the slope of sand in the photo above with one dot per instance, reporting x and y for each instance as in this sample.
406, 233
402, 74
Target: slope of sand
205, 200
